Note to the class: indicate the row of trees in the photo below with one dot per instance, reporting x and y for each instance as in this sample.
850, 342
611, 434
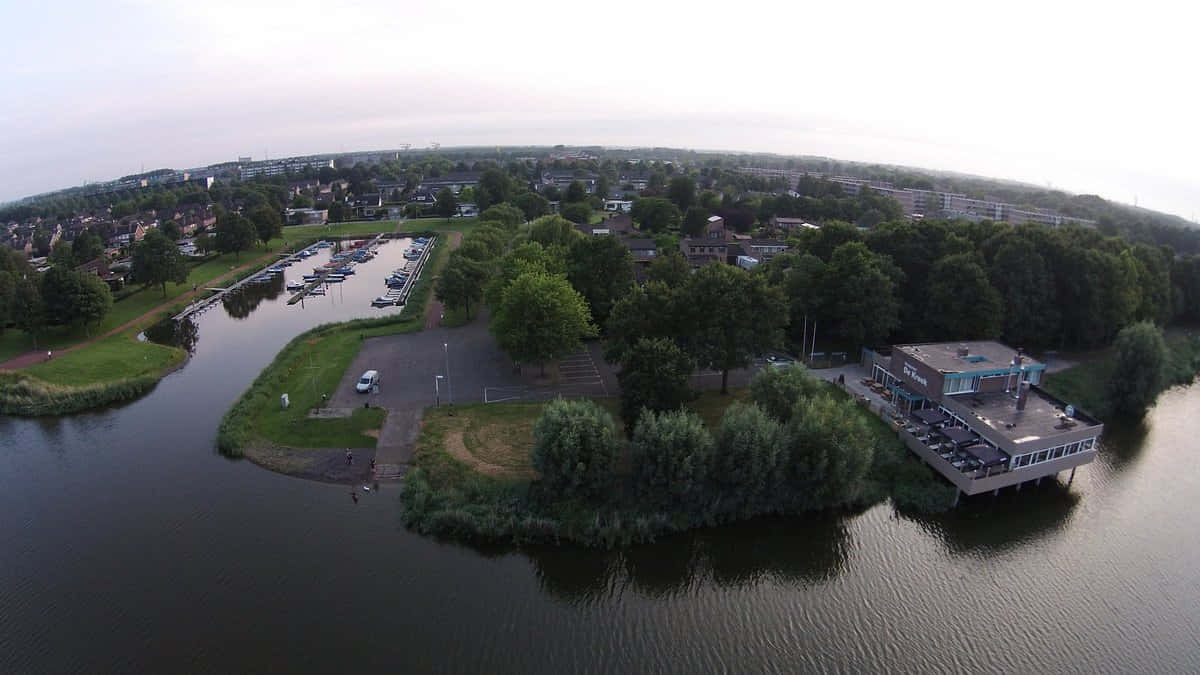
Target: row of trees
793, 447
61, 296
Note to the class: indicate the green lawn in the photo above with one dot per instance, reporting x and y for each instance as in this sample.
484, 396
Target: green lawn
117, 357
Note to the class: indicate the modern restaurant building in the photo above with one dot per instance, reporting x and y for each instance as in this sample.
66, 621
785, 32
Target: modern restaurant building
975, 413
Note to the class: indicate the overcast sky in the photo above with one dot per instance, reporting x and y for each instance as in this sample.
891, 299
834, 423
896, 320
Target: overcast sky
1088, 97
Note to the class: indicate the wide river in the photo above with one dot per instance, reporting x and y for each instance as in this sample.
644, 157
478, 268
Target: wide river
128, 544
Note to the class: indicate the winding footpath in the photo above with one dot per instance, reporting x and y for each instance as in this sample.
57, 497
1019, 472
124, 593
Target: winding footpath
433, 317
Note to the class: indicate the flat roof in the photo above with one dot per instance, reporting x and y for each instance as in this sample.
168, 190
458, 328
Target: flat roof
1042, 417
980, 355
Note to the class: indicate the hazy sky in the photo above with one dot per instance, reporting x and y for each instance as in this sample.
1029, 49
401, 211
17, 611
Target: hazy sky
1089, 97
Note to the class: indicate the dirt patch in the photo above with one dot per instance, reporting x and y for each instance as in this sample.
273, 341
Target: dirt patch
373, 433
505, 445
457, 448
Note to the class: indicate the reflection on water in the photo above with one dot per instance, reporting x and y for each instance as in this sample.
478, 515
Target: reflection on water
182, 333
992, 524
1123, 443
805, 551
240, 303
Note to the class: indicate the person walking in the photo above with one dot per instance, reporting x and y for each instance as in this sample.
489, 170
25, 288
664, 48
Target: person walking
349, 457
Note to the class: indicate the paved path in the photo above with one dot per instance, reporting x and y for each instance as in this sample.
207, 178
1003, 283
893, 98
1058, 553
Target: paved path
38, 356
433, 317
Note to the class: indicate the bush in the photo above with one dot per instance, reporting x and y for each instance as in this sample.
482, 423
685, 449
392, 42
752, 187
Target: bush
1140, 369
654, 375
830, 448
776, 390
575, 448
672, 454
747, 458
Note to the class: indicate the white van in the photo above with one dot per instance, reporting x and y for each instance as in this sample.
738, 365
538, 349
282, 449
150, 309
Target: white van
368, 380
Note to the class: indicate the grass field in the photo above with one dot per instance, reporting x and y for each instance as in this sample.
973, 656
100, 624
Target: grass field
116, 357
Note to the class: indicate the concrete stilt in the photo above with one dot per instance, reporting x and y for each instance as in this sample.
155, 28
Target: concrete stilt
956, 495
1038, 481
1072, 475
1019, 486
996, 492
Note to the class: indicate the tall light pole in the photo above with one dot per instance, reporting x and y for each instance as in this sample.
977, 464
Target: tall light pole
449, 382
437, 390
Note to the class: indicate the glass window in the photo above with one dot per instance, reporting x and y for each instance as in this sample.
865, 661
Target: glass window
1041, 456
1058, 452
1087, 444
1073, 449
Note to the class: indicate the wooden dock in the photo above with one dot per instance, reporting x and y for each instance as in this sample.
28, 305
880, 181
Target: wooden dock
201, 305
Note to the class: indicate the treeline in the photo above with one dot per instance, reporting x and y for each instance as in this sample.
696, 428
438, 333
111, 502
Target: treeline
1030, 285
796, 446
61, 296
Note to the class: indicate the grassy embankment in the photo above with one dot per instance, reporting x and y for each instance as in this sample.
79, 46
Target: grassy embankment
1085, 385
311, 364
116, 368
475, 479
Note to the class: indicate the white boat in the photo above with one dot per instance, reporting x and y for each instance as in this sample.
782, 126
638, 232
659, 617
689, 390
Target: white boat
317, 290
294, 285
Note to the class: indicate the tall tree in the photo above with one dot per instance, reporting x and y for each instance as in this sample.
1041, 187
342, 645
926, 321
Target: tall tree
93, 299
651, 311
156, 260
601, 269
654, 376
574, 448
60, 288
171, 229
860, 296
461, 282
1023, 279
737, 317
777, 390
575, 192
267, 223
552, 230
576, 212
670, 268
87, 247
655, 214
235, 234
539, 318
507, 215
694, 221
682, 192
1140, 361
445, 204
962, 303
531, 204
28, 310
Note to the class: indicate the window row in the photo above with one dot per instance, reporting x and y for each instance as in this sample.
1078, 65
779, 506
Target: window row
1052, 453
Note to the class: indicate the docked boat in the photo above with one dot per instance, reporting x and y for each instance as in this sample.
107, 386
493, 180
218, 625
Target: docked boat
383, 301
344, 271
294, 285
323, 244
317, 290
275, 270
311, 277
334, 278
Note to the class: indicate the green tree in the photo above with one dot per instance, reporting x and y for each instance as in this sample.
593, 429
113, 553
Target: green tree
156, 260
682, 192
859, 295
171, 229
235, 234
777, 390
651, 311
527, 257
62, 256
93, 299
602, 187
747, 458
206, 243
495, 186
532, 205
670, 268
575, 192
1021, 276
601, 269
445, 203
302, 201
654, 376
671, 453
737, 316
655, 214
461, 282
552, 230
962, 303
267, 224
574, 448
576, 212
694, 221
337, 212
28, 310
59, 290
8, 288
507, 215
87, 247
540, 317
829, 449
1139, 370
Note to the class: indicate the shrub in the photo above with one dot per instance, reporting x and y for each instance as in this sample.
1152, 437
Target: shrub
776, 390
747, 458
574, 448
829, 451
672, 455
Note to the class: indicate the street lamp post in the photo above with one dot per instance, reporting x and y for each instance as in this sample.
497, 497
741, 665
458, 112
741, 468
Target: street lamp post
449, 382
437, 390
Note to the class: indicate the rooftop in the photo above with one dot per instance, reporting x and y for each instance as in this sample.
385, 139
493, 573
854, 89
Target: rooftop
1042, 417
964, 357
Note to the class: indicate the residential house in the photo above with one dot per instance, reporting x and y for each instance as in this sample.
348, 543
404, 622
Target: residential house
127, 231
368, 205
455, 181
642, 250
618, 205
715, 228
789, 224
704, 251
305, 216
764, 249
391, 191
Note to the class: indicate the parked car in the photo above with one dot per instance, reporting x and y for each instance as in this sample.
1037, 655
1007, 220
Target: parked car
368, 380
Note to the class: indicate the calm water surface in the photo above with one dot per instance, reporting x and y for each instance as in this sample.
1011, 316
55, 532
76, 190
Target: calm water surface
127, 543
